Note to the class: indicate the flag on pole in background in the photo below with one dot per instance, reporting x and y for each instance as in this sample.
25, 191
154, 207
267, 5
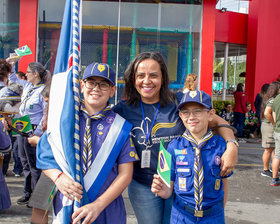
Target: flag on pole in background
23, 124
63, 118
164, 164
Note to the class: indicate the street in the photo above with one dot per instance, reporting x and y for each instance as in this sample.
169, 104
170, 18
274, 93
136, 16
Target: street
251, 199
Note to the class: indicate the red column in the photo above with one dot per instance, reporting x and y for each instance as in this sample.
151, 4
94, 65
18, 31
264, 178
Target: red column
207, 45
28, 20
263, 48
105, 46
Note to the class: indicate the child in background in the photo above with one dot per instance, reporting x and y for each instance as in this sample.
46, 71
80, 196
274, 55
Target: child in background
199, 191
251, 121
227, 113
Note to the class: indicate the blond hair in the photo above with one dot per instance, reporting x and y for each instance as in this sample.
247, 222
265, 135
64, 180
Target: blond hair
189, 82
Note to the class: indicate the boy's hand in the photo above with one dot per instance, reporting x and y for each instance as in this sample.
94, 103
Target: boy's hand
159, 188
68, 187
229, 159
89, 212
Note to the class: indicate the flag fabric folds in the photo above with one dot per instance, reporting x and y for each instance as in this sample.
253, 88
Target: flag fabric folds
23, 124
164, 164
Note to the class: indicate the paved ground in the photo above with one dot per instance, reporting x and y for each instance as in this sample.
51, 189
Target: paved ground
251, 200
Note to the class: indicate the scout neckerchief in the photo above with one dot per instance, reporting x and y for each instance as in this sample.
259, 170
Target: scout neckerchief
146, 154
198, 169
28, 95
87, 149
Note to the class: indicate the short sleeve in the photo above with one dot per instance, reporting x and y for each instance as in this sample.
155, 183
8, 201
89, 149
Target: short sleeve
128, 152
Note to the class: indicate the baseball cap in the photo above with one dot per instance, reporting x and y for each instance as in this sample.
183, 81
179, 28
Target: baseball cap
100, 70
196, 96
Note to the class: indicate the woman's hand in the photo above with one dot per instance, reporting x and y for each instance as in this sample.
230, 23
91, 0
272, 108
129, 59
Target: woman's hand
89, 212
33, 141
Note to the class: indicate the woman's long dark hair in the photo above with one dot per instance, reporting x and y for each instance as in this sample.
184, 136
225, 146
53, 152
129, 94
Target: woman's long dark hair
131, 94
5, 69
239, 88
272, 92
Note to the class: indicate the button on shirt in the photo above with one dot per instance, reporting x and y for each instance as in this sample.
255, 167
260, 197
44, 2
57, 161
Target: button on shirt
183, 175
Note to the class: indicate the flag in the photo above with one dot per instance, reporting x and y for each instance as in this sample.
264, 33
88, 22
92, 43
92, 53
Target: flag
23, 124
63, 117
164, 164
22, 51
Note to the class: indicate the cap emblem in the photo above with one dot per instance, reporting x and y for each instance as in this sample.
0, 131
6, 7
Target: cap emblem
101, 68
193, 94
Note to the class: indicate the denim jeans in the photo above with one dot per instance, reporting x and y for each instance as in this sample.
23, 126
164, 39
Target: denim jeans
148, 208
239, 120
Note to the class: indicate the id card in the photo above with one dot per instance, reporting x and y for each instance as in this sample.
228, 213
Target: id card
146, 159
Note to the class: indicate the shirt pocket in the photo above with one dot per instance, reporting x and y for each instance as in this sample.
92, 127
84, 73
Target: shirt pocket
184, 178
214, 183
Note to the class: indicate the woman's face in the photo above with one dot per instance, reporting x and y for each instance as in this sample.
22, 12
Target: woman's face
148, 81
31, 77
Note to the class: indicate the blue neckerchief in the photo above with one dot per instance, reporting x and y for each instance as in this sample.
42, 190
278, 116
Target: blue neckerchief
145, 127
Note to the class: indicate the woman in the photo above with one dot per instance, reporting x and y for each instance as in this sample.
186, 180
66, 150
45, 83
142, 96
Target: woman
32, 104
151, 108
239, 111
267, 128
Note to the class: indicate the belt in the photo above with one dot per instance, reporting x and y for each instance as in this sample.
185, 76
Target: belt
206, 211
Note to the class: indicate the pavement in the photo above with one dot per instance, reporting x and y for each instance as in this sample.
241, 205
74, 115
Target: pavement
251, 199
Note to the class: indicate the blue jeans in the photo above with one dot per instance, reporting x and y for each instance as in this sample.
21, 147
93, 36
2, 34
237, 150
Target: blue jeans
17, 166
148, 208
239, 120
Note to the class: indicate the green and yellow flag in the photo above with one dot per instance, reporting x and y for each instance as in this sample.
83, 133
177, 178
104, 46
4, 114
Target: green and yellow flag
164, 164
22, 124
22, 51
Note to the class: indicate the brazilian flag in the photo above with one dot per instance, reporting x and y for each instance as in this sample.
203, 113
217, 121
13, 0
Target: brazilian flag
164, 164
23, 124
22, 51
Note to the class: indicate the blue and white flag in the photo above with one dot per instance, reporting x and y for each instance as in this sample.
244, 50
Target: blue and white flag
63, 118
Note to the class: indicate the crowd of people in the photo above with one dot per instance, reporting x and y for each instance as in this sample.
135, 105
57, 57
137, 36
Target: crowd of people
149, 113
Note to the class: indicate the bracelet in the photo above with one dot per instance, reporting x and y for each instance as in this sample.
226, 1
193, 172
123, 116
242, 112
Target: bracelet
58, 176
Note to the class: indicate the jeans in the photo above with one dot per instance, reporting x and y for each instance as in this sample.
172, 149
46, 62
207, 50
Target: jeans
27, 155
239, 120
148, 208
17, 165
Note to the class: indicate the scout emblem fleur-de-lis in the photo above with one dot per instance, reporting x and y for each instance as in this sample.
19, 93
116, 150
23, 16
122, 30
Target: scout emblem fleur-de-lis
101, 68
193, 94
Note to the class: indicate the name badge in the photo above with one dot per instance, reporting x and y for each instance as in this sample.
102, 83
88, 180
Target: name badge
182, 184
146, 159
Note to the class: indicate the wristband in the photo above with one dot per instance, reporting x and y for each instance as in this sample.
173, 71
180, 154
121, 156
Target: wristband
58, 176
233, 141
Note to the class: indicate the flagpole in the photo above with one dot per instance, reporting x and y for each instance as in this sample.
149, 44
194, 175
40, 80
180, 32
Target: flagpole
76, 62
118, 45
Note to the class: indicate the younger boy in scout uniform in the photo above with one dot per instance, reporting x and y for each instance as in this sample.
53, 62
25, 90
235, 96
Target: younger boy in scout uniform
199, 191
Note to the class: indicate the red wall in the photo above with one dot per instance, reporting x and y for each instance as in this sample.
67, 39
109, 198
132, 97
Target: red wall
231, 27
207, 45
263, 49
28, 19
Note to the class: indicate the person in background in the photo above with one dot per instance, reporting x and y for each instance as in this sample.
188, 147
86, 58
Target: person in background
267, 128
5, 144
190, 83
227, 113
33, 105
152, 109
258, 103
251, 121
239, 111
276, 159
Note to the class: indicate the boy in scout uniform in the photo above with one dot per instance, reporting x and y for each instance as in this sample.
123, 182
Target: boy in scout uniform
200, 192
107, 155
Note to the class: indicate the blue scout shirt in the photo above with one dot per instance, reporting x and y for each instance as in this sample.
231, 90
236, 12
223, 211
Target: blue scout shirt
167, 126
182, 173
32, 104
5, 140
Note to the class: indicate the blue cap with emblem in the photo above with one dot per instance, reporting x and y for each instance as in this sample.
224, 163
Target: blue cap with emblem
196, 96
100, 70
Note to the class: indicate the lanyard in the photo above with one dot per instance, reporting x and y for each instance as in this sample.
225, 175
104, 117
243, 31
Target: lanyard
145, 127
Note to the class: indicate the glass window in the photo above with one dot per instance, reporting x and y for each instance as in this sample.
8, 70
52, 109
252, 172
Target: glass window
9, 27
170, 27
